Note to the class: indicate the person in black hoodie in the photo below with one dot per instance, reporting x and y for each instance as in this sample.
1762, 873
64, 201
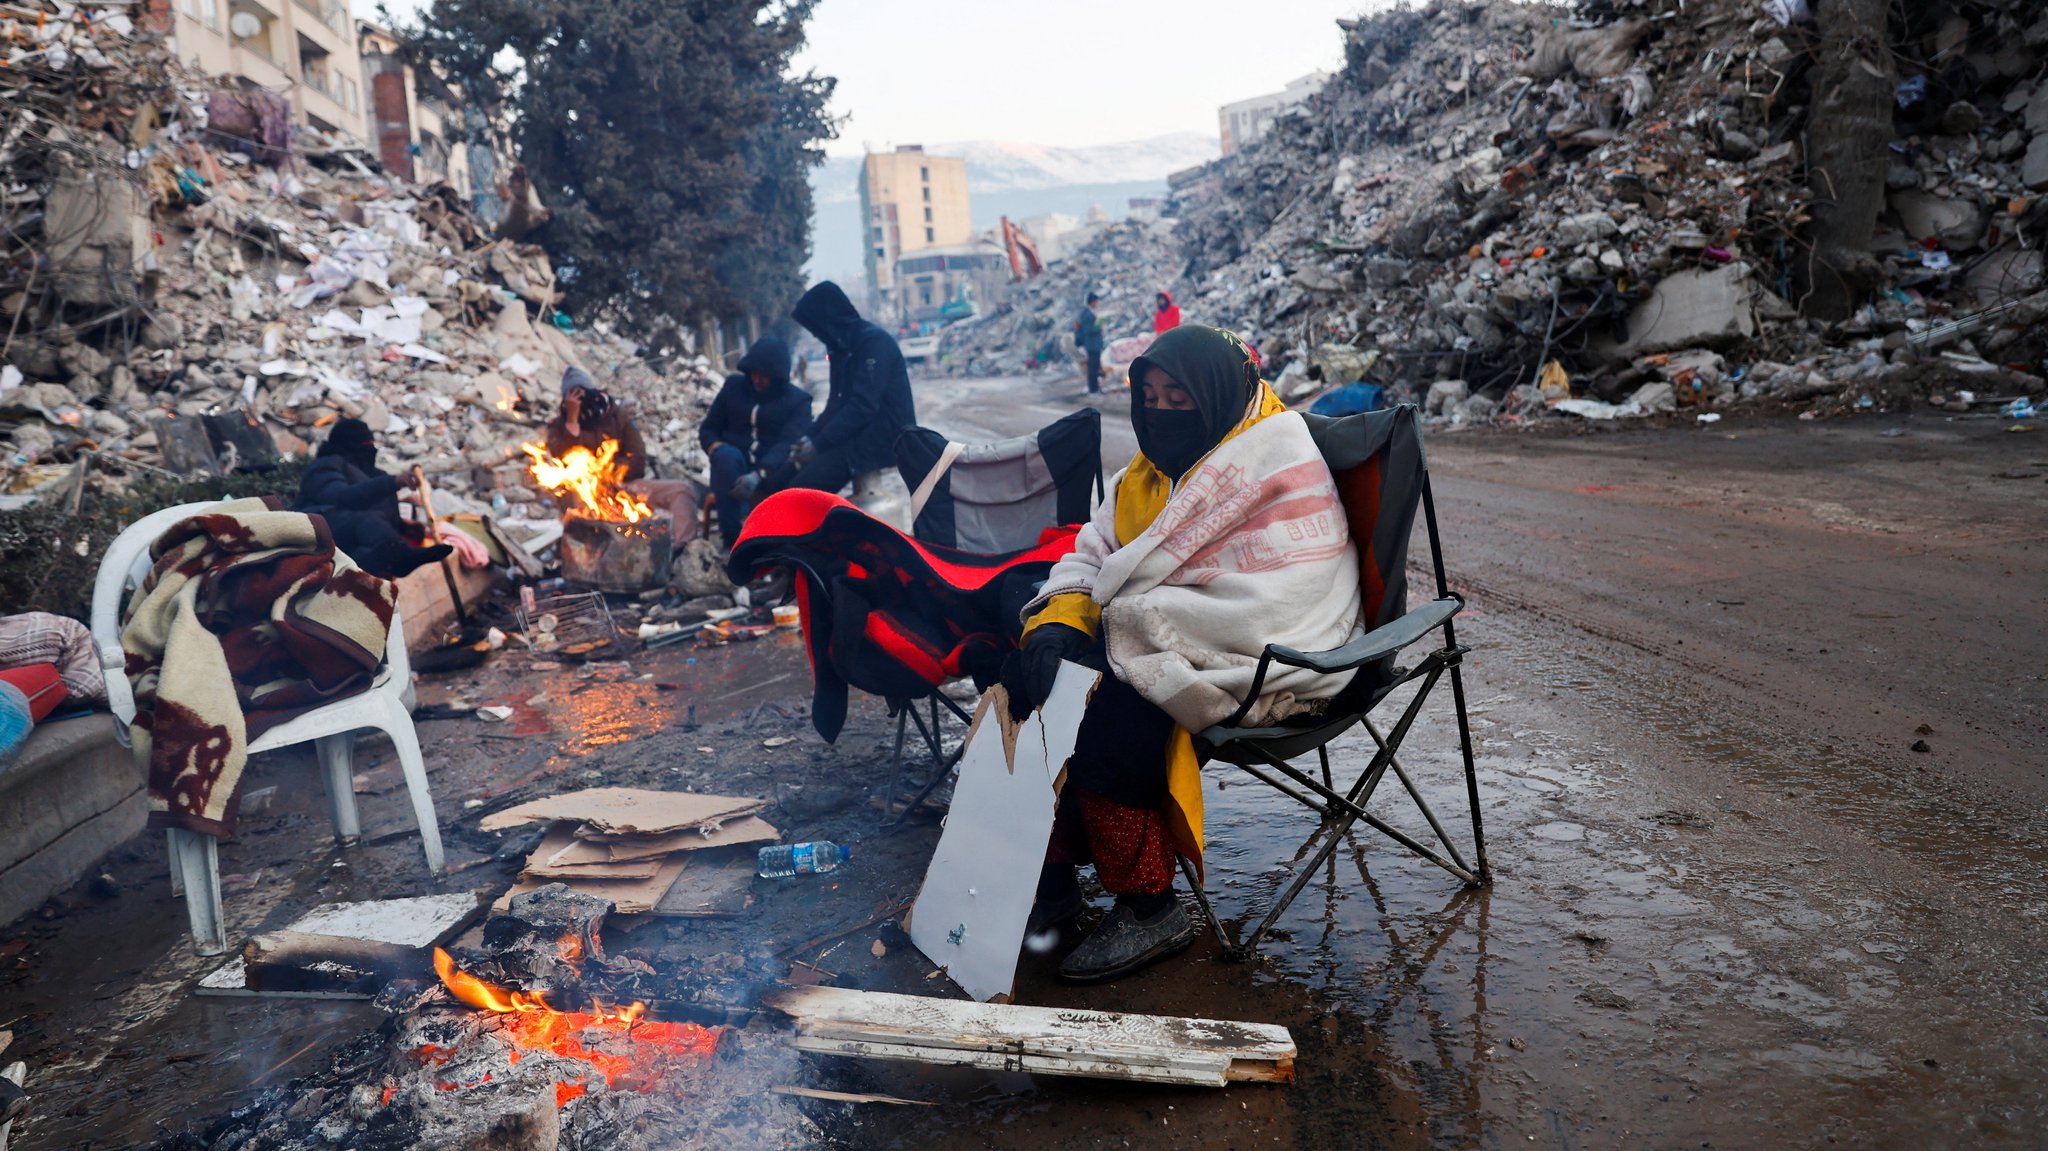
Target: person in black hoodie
360, 503
869, 404
756, 420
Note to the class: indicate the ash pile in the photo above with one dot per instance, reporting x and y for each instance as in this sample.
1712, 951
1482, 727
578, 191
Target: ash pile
538, 1039
1507, 210
191, 284
1125, 263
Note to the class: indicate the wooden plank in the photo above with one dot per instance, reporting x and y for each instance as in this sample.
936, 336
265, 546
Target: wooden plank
970, 914
1053, 1041
298, 961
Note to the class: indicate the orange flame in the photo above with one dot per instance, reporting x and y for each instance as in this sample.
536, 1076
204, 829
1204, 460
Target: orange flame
595, 479
507, 399
535, 1026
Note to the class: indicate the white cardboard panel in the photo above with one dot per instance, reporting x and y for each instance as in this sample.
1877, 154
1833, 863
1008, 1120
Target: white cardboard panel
969, 918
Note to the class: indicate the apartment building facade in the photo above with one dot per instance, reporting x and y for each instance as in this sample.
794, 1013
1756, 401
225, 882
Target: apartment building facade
303, 50
414, 123
909, 201
1247, 120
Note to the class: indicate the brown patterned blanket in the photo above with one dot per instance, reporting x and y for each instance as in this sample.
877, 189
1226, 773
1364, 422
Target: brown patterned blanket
247, 618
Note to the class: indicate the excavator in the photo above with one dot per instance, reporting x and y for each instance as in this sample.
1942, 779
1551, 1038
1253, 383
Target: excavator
1024, 261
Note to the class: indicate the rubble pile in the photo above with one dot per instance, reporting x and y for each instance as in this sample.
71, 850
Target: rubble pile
1506, 209
189, 283
1126, 263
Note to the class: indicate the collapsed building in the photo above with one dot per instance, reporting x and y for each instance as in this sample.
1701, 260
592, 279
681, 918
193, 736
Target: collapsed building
189, 284
1496, 207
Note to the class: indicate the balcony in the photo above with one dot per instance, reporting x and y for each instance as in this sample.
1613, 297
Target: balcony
332, 13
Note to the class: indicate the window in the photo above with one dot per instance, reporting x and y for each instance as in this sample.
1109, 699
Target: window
927, 235
925, 174
878, 235
927, 215
881, 254
348, 93
927, 294
927, 195
209, 11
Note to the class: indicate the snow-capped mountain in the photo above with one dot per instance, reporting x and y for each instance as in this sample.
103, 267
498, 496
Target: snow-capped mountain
1005, 166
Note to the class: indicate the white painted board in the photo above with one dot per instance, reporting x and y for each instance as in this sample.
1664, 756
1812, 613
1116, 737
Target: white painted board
969, 917
416, 921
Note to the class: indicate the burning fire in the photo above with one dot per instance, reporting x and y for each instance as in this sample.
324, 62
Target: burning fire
535, 1026
507, 399
594, 479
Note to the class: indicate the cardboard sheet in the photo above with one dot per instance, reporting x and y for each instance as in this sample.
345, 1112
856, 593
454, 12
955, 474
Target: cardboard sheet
629, 811
562, 856
969, 918
630, 896
718, 883
751, 829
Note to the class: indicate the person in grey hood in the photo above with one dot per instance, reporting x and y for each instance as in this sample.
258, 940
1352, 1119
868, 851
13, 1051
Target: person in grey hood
869, 404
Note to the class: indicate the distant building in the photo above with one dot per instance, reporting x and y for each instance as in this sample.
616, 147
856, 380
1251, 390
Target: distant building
414, 126
950, 282
1247, 120
909, 201
303, 50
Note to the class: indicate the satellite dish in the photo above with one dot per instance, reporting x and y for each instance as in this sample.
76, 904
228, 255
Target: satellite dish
245, 26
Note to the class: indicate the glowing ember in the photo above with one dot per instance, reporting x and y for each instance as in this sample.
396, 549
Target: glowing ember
535, 1026
596, 480
507, 399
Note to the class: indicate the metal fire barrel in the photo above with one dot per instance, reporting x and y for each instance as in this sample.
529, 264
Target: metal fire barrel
616, 556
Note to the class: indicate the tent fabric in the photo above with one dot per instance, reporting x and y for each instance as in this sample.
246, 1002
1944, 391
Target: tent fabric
884, 612
998, 497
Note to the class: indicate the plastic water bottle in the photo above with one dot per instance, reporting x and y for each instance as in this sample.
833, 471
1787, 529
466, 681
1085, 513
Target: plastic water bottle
813, 858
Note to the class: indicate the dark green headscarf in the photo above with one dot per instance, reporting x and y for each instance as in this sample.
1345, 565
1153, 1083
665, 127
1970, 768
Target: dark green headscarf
1217, 370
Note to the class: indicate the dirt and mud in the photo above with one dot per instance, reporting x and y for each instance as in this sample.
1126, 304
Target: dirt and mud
1732, 905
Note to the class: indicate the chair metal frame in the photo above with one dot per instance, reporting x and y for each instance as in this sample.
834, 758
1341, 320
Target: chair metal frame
1262, 752
384, 705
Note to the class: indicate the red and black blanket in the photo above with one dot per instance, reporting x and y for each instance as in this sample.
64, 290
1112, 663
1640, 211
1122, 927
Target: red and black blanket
883, 612
247, 618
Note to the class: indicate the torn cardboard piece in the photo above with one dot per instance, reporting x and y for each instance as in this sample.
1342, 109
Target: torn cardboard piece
619, 848
629, 811
969, 917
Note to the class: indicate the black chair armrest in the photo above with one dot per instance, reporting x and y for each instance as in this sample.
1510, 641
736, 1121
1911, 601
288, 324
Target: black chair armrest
1376, 644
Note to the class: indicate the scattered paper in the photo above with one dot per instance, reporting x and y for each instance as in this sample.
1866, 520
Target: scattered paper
778, 741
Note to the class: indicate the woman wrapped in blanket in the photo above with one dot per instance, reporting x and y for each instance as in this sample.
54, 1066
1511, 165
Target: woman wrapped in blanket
1224, 534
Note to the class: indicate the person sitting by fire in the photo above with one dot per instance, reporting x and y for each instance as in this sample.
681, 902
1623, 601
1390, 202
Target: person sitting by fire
360, 503
757, 417
589, 418
1224, 533
868, 406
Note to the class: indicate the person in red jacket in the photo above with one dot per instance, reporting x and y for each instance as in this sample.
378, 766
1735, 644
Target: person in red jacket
1165, 313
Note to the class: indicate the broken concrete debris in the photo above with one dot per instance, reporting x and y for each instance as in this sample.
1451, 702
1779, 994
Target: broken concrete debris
1488, 187
173, 249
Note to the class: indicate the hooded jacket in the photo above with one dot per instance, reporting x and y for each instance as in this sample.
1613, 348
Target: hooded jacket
1167, 318
869, 404
764, 425
616, 424
344, 476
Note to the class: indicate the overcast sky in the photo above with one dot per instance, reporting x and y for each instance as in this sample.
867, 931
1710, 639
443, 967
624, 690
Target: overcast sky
1057, 72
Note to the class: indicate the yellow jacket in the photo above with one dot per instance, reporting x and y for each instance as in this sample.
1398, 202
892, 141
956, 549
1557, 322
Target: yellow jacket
1140, 496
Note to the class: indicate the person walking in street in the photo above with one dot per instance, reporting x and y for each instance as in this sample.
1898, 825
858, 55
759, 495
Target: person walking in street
1223, 534
756, 420
1165, 313
1088, 338
869, 402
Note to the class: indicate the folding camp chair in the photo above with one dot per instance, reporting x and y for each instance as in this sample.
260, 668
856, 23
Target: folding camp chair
992, 499
1377, 460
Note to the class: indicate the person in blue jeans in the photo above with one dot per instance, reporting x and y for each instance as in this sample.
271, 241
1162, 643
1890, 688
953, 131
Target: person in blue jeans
756, 419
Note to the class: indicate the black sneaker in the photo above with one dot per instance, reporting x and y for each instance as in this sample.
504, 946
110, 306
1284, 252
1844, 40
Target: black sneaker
1124, 943
1059, 903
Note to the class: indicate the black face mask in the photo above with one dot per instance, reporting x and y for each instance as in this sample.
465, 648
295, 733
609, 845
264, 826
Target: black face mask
1173, 440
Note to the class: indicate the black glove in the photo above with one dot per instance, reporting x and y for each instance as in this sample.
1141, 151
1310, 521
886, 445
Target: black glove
1029, 672
746, 485
800, 452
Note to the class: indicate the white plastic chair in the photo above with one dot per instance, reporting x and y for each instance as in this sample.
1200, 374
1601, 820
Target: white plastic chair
195, 863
